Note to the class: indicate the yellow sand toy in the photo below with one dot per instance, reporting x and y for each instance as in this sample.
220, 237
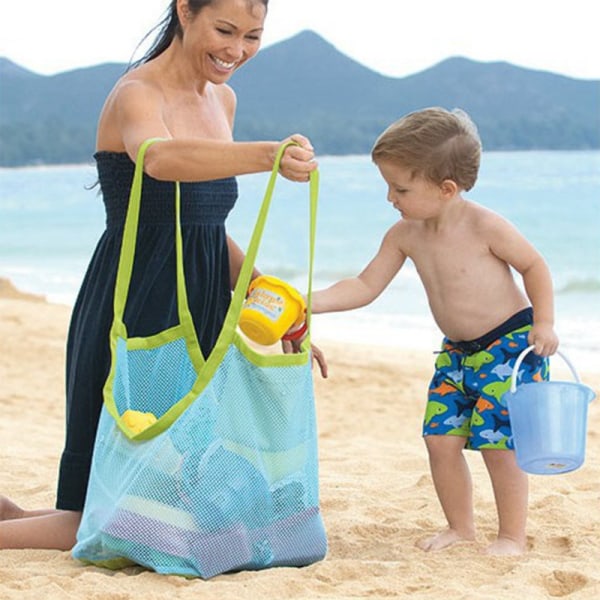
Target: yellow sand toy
271, 309
138, 421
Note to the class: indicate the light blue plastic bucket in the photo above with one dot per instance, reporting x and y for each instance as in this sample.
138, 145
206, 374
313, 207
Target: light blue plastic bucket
549, 422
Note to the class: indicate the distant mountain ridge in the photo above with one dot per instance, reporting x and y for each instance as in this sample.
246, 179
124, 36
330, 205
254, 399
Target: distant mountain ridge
305, 84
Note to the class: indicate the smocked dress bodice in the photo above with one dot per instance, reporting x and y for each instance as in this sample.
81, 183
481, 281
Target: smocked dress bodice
203, 203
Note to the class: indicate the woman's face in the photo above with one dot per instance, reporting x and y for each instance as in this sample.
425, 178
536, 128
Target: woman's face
222, 36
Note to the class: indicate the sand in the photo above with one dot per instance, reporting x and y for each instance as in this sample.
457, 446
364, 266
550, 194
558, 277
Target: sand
376, 493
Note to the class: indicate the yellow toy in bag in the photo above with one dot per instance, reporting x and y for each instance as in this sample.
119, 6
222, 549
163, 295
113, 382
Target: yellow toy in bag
272, 308
137, 421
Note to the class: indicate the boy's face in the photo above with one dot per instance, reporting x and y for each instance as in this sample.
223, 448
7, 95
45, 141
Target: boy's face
414, 197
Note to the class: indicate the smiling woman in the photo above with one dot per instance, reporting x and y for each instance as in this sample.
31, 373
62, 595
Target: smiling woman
178, 92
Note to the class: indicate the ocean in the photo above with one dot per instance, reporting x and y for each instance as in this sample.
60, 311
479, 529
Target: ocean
51, 218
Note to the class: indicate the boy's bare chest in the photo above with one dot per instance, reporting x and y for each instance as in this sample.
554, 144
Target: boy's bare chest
451, 256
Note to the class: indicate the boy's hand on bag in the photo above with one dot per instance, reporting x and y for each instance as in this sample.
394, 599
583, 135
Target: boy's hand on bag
294, 346
317, 354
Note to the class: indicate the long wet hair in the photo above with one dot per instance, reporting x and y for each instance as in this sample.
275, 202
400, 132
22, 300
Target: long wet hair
169, 28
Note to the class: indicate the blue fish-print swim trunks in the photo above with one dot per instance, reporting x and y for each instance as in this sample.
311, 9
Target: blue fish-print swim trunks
465, 393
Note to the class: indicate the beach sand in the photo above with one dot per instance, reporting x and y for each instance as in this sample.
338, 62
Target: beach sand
376, 492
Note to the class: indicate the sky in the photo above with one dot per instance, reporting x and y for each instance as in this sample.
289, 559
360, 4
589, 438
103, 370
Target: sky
393, 37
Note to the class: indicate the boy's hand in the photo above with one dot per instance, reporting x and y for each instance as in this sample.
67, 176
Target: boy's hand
294, 346
317, 354
544, 339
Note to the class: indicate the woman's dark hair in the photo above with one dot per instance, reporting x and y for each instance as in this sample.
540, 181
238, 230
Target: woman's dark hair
169, 28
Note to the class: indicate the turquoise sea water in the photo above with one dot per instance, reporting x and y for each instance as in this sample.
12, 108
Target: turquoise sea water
49, 224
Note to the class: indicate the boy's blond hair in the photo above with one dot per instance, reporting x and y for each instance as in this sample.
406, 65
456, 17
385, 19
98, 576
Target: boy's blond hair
433, 143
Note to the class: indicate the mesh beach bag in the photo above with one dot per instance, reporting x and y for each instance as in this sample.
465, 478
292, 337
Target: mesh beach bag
224, 476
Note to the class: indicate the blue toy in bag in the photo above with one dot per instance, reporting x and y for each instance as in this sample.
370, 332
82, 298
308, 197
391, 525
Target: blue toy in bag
203, 466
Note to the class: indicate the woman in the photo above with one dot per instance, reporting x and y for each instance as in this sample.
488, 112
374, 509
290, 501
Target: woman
177, 92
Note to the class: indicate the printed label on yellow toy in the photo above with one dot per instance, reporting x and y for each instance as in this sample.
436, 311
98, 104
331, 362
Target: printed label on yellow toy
268, 303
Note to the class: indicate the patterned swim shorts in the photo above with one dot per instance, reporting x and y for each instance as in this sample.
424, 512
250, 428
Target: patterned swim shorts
465, 393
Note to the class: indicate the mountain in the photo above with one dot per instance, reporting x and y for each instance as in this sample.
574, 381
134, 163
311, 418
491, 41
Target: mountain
51, 119
305, 84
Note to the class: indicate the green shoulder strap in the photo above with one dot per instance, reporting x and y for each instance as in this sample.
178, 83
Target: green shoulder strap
127, 257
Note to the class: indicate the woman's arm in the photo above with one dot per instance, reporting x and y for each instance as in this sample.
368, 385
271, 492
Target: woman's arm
137, 108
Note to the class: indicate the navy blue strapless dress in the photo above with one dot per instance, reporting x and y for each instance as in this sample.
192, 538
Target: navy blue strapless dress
152, 302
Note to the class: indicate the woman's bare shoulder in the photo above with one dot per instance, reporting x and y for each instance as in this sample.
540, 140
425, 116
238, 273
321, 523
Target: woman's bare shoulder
135, 85
131, 97
225, 92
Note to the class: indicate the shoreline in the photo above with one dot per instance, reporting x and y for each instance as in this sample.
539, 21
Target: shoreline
412, 335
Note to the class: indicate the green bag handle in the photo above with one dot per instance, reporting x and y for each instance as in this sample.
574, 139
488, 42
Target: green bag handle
240, 290
128, 244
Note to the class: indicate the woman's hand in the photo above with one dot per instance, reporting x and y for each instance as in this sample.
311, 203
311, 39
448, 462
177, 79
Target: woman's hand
298, 159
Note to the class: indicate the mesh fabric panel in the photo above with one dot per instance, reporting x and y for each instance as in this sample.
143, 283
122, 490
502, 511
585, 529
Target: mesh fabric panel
231, 484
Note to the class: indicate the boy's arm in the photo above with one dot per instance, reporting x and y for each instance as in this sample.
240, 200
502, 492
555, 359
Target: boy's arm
511, 246
539, 289
361, 290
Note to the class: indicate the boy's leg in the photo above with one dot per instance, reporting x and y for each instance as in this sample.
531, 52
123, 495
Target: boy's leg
511, 488
492, 435
452, 481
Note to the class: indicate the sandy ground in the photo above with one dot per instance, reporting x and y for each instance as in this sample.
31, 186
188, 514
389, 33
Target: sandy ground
376, 493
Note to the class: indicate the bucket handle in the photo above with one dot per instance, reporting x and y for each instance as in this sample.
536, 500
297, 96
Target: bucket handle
513, 384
